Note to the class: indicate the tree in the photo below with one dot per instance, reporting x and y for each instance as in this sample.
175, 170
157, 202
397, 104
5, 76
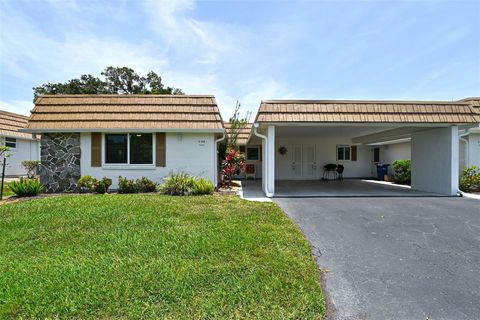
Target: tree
236, 125
117, 80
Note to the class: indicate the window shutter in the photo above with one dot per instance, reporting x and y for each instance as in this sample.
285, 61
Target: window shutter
354, 153
160, 150
96, 149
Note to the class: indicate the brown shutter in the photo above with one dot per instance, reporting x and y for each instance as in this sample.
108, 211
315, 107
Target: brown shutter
354, 153
160, 158
96, 149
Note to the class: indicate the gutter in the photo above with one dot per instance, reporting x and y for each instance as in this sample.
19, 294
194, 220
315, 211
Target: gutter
264, 172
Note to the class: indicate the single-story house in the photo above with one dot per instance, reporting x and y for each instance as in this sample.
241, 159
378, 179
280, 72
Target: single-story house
154, 135
125, 135
298, 137
23, 146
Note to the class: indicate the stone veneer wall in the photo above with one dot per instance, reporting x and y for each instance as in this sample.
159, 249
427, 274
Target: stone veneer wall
60, 157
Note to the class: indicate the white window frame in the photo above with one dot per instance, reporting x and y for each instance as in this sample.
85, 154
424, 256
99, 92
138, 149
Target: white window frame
344, 147
15, 142
127, 165
258, 153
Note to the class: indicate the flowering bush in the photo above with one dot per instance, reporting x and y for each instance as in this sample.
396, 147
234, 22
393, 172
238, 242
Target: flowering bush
470, 180
233, 164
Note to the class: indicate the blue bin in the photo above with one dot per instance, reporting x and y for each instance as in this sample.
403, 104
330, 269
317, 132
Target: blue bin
382, 170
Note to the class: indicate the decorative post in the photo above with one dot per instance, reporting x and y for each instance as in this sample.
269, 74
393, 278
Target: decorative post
4, 154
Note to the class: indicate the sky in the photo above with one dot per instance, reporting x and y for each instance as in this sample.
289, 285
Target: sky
247, 51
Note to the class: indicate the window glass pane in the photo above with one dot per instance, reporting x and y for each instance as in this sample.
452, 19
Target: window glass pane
11, 142
347, 153
340, 153
141, 148
252, 153
115, 148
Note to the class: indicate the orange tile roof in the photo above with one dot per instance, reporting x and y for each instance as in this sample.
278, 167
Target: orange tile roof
149, 112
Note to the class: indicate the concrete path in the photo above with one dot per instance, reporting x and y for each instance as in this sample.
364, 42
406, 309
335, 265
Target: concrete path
395, 258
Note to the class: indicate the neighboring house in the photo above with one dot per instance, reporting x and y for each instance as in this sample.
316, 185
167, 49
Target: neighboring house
23, 146
125, 135
299, 137
470, 140
253, 153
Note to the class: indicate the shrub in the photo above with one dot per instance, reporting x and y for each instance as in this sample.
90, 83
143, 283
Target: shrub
89, 184
126, 185
85, 183
26, 187
31, 166
470, 180
233, 164
178, 184
145, 185
203, 186
101, 186
402, 169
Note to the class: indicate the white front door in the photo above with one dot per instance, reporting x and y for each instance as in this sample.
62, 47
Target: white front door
297, 161
304, 165
309, 162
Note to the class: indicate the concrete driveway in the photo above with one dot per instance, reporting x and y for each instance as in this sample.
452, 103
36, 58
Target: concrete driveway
395, 258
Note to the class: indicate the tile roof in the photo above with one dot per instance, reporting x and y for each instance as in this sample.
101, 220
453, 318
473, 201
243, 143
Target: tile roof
10, 123
116, 112
243, 134
473, 101
350, 111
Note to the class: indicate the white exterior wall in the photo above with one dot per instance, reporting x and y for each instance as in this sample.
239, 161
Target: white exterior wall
474, 149
181, 155
435, 160
25, 150
325, 152
398, 151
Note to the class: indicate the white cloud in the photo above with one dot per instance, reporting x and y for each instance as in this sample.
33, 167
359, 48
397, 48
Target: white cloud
17, 106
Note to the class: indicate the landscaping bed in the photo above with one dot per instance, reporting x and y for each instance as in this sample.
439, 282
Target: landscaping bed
154, 256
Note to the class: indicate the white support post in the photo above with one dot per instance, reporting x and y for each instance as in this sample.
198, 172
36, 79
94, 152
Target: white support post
271, 160
435, 156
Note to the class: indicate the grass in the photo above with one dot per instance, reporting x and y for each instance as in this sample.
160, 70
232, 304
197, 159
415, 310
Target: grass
6, 191
153, 256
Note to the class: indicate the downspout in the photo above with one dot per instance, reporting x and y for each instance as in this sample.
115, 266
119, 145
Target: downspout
216, 156
467, 152
265, 158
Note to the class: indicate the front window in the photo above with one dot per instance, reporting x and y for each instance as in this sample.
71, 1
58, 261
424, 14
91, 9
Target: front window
253, 153
141, 148
343, 153
11, 142
134, 148
116, 148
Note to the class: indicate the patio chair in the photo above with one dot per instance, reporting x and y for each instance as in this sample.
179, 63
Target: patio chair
340, 169
250, 171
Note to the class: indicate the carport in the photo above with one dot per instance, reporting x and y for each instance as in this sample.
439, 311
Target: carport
299, 137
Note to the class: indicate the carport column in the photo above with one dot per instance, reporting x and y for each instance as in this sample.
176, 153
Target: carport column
271, 160
435, 160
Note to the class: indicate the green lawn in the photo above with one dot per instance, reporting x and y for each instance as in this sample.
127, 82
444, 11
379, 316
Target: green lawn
6, 191
153, 256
